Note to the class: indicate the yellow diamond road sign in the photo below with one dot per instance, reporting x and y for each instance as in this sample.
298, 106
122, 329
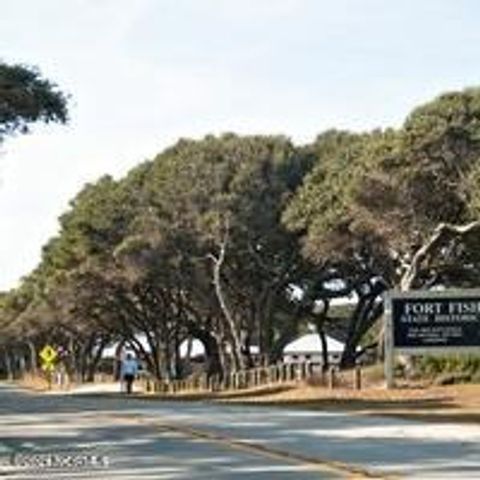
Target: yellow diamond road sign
48, 354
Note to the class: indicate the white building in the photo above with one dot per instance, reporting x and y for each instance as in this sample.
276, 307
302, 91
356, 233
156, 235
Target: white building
308, 348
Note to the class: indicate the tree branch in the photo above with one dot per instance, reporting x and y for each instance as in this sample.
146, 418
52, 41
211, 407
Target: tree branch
443, 233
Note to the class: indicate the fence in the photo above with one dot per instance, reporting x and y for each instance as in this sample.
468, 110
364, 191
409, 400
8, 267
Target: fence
274, 375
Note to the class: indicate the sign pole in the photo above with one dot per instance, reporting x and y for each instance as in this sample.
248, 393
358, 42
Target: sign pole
389, 353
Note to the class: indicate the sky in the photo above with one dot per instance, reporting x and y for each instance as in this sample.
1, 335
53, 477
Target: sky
143, 73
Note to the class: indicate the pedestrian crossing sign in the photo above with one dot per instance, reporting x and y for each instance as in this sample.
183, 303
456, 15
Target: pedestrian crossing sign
48, 355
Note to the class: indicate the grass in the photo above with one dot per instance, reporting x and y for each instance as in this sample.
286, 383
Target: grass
419, 400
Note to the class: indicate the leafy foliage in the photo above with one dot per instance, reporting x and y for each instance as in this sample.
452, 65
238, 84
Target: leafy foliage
26, 97
210, 237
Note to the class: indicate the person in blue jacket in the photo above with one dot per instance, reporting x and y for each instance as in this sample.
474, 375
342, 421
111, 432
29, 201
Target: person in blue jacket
128, 372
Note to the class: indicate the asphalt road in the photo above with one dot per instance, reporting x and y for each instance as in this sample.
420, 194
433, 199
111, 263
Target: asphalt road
113, 437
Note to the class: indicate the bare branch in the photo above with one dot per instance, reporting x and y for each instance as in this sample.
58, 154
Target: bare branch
441, 235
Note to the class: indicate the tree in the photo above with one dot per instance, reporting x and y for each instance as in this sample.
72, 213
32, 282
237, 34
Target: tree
228, 194
26, 97
400, 205
208, 240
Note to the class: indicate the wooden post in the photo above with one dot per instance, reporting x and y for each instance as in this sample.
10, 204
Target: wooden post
357, 378
303, 371
256, 377
331, 378
310, 370
269, 372
291, 371
263, 375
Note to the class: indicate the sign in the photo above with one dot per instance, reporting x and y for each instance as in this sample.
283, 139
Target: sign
48, 355
435, 322
431, 322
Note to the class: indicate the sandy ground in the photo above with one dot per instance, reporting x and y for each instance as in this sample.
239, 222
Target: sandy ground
459, 403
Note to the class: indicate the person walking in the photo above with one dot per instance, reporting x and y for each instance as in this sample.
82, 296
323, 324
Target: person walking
129, 371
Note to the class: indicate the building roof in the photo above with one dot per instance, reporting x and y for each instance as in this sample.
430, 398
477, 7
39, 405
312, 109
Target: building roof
310, 343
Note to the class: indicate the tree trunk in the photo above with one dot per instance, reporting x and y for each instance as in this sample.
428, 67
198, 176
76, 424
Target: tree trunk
8, 364
323, 340
239, 363
95, 360
215, 356
33, 357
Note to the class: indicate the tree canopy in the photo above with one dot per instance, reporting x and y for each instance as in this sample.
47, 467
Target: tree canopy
211, 238
26, 97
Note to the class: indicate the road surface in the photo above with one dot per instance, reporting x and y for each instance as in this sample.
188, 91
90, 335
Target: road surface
112, 437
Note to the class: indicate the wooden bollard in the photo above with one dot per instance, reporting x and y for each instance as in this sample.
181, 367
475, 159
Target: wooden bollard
357, 378
292, 371
276, 372
241, 379
331, 378
269, 375
298, 371
303, 371
262, 375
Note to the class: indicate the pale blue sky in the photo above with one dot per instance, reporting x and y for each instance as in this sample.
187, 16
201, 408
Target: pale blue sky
143, 73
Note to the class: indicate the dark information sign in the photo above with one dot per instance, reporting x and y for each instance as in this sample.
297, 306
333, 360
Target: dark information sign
436, 321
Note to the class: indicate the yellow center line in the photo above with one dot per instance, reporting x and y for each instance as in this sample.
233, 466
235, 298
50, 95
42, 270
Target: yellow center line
313, 463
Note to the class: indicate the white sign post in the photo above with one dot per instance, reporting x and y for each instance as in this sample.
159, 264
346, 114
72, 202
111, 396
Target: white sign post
389, 347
